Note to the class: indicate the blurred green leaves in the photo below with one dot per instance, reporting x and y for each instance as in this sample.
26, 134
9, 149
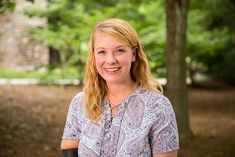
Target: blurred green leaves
7, 5
211, 31
211, 44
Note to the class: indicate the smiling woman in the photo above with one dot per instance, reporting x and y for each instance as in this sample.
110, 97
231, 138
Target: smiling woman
121, 111
113, 59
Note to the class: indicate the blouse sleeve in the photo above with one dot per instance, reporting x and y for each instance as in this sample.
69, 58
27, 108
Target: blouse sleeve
164, 133
74, 120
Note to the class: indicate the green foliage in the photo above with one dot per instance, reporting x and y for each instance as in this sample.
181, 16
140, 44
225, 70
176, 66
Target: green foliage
70, 24
153, 34
43, 75
211, 38
17, 74
71, 73
8, 5
210, 32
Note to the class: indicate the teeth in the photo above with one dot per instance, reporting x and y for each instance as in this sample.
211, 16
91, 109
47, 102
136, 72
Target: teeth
112, 69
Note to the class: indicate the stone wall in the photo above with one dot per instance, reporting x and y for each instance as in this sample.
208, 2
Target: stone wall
17, 49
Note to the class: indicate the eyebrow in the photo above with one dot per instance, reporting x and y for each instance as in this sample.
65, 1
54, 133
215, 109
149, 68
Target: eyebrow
119, 46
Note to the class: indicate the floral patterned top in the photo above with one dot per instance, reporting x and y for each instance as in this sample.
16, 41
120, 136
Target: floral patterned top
145, 124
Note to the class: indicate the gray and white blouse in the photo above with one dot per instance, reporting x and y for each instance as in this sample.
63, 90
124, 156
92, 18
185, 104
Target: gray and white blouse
145, 124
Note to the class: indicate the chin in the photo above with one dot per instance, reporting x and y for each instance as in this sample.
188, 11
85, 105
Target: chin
116, 81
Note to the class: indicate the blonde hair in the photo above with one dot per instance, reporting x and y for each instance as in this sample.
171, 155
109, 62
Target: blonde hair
95, 88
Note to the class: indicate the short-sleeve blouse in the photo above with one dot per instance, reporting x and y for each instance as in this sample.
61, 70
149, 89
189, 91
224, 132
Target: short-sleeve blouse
145, 124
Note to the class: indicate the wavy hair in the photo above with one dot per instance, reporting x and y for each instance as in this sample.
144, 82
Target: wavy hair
95, 88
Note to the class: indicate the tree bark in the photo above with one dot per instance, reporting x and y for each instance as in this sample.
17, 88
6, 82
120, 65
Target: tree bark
176, 66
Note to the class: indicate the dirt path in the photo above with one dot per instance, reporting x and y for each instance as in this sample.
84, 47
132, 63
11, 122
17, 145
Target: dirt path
32, 120
212, 118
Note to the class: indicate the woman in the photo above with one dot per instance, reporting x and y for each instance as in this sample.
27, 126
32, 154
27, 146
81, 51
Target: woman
121, 111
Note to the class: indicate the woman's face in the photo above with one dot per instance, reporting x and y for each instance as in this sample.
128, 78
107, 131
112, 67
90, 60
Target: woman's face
113, 59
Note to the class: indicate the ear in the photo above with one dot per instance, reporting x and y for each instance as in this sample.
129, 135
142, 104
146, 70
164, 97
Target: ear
134, 51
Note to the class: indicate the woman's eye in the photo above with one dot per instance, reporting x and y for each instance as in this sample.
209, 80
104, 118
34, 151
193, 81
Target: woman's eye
120, 50
100, 52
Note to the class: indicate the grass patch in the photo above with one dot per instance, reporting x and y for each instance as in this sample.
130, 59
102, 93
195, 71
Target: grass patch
44, 75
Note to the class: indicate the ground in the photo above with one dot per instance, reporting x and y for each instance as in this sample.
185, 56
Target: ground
32, 120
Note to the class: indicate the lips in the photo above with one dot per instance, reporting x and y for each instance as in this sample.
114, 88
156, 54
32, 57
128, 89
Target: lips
112, 70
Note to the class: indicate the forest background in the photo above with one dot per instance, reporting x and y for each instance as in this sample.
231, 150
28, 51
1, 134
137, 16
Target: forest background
210, 32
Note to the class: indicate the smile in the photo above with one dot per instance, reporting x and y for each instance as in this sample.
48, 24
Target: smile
112, 70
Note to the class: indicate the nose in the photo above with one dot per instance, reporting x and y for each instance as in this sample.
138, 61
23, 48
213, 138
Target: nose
111, 58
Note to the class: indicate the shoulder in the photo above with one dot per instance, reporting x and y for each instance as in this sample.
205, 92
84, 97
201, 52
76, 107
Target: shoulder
76, 102
78, 96
155, 100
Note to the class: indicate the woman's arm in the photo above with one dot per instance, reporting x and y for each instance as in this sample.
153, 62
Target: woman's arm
169, 154
67, 144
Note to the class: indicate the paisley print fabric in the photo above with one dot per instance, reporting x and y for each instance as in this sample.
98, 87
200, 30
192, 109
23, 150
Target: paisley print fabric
145, 124
135, 112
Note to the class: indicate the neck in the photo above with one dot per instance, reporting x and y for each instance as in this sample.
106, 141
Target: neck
118, 92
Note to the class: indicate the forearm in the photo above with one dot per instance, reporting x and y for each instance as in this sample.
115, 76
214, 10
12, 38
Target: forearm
169, 154
70, 148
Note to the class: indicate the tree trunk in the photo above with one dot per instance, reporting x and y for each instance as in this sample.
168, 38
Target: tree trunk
176, 65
